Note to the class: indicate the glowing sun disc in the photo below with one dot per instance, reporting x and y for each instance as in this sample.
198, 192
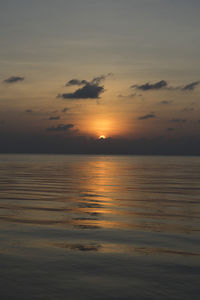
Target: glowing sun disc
102, 137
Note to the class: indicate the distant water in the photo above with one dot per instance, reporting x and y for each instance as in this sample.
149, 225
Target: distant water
99, 227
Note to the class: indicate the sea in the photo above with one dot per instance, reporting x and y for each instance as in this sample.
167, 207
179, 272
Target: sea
97, 227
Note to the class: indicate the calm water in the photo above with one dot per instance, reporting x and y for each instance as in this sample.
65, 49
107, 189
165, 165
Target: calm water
99, 227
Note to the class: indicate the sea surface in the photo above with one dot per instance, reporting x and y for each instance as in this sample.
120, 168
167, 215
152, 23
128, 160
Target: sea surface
99, 227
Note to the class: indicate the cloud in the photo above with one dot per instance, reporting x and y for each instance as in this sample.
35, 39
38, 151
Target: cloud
13, 79
187, 109
162, 84
34, 112
148, 116
61, 127
65, 109
191, 86
54, 118
76, 82
170, 129
132, 95
178, 120
165, 102
98, 79
90, 90
121, 96
151, 86
80, 247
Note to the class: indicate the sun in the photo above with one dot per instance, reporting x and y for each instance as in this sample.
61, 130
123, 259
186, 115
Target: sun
102, 137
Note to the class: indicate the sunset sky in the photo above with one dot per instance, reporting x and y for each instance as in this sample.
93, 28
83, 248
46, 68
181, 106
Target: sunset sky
72, 71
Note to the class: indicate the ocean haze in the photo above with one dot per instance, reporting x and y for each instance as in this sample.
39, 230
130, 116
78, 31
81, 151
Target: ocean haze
64, 143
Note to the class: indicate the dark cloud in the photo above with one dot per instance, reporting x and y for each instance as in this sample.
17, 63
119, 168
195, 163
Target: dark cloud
76, 82
80, 247
13, 79
151, 86
88, 91
178, 120
148, 116
191, 86
35, 112
54, 118
99, 79
162, 84
61, 127
65, 109
165, 102
170, 129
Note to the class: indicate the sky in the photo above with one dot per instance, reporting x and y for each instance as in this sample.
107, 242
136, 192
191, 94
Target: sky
126, 71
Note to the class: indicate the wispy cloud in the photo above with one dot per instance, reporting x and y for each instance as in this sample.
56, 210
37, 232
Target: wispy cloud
29, 111
151, 86
76, 82
61, 127
163, 84
191, 86
13, 79
170, 129
165, 102
65, 109
132, 95
178, 120
148, 116
54, 118
187, 109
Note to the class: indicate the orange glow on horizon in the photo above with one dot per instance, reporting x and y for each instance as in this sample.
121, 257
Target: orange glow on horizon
101, 128
104, 126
